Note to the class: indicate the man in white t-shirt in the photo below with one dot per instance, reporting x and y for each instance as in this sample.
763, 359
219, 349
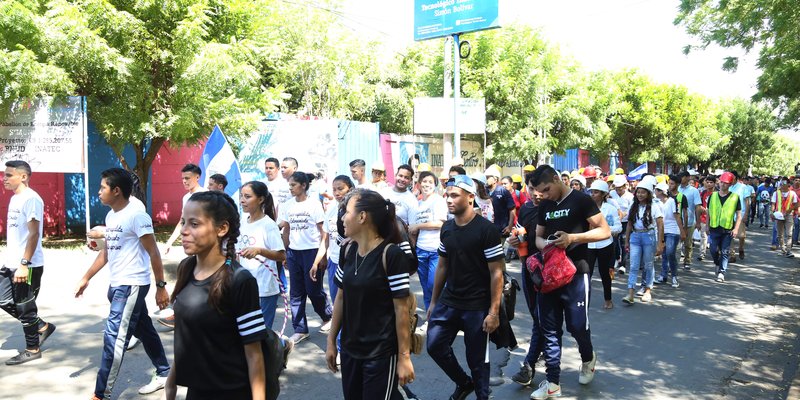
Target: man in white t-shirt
130, 252
22, 272
190, 177
278, 187
405, 202
288, 167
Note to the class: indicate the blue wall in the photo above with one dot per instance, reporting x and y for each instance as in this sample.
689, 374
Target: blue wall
358, 140
566, 162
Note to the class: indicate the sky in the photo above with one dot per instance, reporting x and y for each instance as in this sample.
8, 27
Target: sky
601, 34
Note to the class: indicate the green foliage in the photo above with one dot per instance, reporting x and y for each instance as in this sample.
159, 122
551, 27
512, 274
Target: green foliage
772, 27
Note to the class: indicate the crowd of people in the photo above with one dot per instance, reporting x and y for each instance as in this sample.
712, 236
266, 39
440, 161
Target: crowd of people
455, 231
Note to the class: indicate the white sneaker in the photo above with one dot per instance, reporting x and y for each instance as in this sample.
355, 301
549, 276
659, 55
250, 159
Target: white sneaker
156, 384
298, 337
133, 343
587, 370
675, 283
546, 390
326, 327
720, 277
640, 292
621, 270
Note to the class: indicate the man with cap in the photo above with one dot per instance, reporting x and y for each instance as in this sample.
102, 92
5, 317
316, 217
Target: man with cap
784, 203
590, 173
724, 218
692, 221
378, 177
746, 195
502, 202
467, 291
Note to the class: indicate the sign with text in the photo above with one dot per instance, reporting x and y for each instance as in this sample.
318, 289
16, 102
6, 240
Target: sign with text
435, 115
439, 18
47, 133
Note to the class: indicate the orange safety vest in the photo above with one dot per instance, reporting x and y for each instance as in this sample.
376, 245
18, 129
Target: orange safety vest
784, 205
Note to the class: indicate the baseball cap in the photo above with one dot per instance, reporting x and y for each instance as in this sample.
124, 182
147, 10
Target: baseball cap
463, 182
479, 177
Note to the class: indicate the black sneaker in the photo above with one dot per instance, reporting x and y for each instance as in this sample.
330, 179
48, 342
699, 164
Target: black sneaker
43, 335
24, 357
463, 391
524, 376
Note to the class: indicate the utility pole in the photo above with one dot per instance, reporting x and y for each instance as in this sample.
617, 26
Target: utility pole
447, 138
456, 92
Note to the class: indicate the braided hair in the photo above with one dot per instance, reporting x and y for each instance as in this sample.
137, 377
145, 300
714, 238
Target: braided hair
221, 209
647, 219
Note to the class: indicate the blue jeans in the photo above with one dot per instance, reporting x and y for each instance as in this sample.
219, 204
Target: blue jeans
763, 216
302, 287
669, 260
128, 316
537, 340
796, 230
775, 233
333, 289
720, 243
643, 249
268, 305
427, 272
443, 328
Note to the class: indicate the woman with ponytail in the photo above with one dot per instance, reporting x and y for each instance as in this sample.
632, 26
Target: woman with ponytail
644, 238
219, 326
300, 220
371, 306
260, 244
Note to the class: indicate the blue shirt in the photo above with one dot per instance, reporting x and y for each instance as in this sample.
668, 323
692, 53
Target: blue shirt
744, 192
693, 200
502, 202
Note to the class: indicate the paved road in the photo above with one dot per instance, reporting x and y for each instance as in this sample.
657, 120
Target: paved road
703, 340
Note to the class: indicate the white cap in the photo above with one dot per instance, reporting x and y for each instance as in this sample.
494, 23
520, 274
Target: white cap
663, 187
378, 166
646, 185
491, 171
651, 180
580, 179
599, 185
620, 180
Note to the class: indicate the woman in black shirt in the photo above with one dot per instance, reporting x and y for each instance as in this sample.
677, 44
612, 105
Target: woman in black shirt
218, 321
371, 306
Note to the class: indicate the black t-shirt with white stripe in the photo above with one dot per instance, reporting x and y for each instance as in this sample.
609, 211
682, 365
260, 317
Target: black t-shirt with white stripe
469, 249
368, 326
209, 345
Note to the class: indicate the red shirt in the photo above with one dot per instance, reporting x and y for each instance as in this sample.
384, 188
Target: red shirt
704, 198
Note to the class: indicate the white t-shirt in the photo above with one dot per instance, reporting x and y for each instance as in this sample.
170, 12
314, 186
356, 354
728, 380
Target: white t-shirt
624, 202
334, 240
668, 209
23, 208
405, 203
788, 203
189, 194
128, 262
611, 214
486, 207
137, 204
302, 219
279, 188
263, 233
655, 213
433, 209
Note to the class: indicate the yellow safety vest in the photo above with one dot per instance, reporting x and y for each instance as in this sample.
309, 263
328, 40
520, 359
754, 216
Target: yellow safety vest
679, 200
720, 215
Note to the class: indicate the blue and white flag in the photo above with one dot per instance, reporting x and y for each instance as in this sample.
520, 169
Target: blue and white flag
637, 173
218, 158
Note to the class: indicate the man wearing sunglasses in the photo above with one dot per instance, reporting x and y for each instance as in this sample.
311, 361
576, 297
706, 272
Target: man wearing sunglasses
466, 291
570, 219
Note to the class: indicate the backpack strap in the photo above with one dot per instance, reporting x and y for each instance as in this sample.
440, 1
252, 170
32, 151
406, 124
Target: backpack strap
383, 258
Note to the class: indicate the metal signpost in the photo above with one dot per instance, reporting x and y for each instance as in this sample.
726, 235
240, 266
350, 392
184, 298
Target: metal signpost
442, 18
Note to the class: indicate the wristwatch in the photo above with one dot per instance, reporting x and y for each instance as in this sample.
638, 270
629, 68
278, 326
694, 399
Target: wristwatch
161, 284
25, 262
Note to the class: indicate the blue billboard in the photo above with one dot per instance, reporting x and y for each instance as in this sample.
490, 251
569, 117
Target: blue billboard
439, 18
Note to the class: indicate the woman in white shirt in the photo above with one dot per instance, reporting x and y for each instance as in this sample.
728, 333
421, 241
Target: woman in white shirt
300, 220
673, 232
644, 239
602, 252
431, 214
260, 241
342, 185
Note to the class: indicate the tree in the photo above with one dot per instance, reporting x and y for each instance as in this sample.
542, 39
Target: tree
151, 71
747, 136
768, 26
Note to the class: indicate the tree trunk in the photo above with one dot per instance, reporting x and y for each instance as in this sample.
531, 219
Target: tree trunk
143, 160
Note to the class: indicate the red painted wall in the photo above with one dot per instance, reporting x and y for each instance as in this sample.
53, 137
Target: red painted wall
165, 181
50, 187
